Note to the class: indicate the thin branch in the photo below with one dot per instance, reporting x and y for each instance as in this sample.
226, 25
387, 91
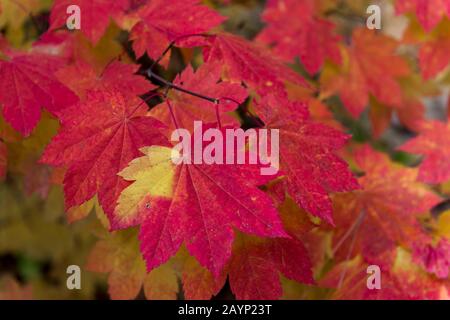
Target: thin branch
171, 85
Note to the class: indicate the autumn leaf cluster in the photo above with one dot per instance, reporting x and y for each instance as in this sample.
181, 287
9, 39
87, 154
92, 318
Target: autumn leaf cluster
85, 127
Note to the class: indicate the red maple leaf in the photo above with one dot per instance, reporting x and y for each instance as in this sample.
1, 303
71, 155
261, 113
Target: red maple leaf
94, 15
28, 83
198, 282
208, 202
383, 214
433, 143
294, 31
206, 81
434, 259
117, 254
412, 114
82, 77
373, 69
251, 63
307, 156
162, 22
256, 265
97, 140
405, 282
434, 57
429, 12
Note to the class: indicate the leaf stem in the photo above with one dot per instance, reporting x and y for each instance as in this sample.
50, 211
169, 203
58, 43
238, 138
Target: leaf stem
172, 114
219, 122
352, 231
173, 43
171, 85
146, 99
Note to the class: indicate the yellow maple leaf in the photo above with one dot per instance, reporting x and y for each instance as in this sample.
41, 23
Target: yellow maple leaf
152, 175
118, 254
